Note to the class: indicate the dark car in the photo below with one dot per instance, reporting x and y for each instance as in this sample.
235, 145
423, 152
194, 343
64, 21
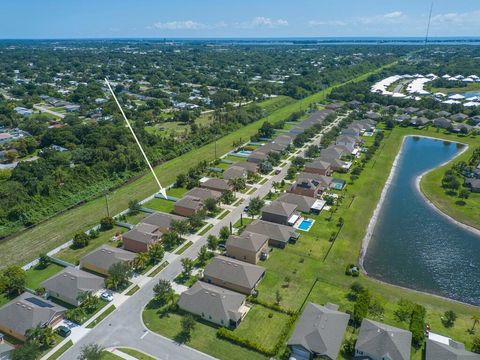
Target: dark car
277, 172
64, 331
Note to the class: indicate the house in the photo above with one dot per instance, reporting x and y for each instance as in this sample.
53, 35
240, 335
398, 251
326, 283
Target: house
216, 184
215, 304
233, 274
278, 235
303, 203
443, 348
280, 213
100, 260
443, 113
334, 152
348, 141
411, 110
188, 205
473, 184
284, 139
377, 341
324, 181
27, 311
333, 106
162, 220
419, 121
257, 157
306, 186
461, 128
459, 117
318, 167
141, 238
442, 123
71, 282
204, 193
336, 164
5, 349
251, 167
319, 332
248, 247
234, 172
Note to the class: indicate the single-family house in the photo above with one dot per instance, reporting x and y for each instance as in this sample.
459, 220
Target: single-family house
27, 311
188, 205
216, 184
378, 341
319, 332
303, 203
442, 123
334, 152
278, 235
215, 304
141, 237
459, 117
420, 121
284, 139
6, 349
248, 247
70, 283
318, 167
234, 172
100, 260
203, 193
348, 141
257, 157
473, 184
306, 186
279, 213
162, 220
252, 168
440, 347
233, 274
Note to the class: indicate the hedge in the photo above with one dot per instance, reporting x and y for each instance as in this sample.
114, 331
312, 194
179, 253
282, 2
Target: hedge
229, 335
272, 306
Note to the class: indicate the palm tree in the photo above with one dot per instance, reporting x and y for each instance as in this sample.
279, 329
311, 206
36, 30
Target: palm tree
476, 319
141, 261
156, 253
42, 336
237, 183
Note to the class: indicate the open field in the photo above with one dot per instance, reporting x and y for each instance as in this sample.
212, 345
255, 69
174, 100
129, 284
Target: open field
26, 245
469, 87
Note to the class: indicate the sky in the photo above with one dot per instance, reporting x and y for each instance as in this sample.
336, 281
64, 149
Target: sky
33, 19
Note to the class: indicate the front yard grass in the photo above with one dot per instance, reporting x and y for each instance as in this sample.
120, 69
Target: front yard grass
205, 230
102, 316
204, 336
162, 205
73, 256
62, 350
263, 326
36, 275
136, 354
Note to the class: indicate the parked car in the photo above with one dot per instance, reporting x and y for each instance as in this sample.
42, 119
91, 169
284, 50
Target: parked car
107, 296
64, 331
277, 171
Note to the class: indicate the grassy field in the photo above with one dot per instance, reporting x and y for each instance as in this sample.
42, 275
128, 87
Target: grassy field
135, 218
36, 275
73, 255
176, 192
160, 205
203, 337
469, 87
136, 354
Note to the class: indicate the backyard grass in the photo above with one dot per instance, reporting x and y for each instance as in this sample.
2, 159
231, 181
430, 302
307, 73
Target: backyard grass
242, 222
26, 245
135, 218
203, 337
73, 255
176, 192
36, 275
263, 326
62, 350
234, 159
136, 354
162, 205
184, 248
102, 316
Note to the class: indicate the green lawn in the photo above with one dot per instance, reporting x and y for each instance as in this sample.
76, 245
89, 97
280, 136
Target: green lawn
102, 316
36, 275
223, 214
60, 351
234, 159
73, 256
176, 192
263, 326
184, 248
205, 230
136, 354
246, 220
46, 236
136, 218
160, 205
203, 337
106, 355
133, 290
469, 87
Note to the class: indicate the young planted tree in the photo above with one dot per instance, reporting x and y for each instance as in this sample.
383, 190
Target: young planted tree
107, 223
224, 233
141, 261
211, 205
187, 264
255, 206
180, 226
119, 273
163, 291
156, 253
14, 280
91, 352
188, 324
80, 240
237, 183
212, 242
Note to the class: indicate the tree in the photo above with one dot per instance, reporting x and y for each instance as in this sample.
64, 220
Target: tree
266, 167
188, 324
340, 222
156, 253
170, 239
212, 242
404, 310
43, 261
278, 297
203, 254
88, 301
227, 197
134, 207
476, 320
163, 291
91, 352
180, 226
464, 194
476, 345
80, 240
348, 346
224, 233
417, 325
118, 275
211, 205
15, 279
449, 318
196, 220
141, 261
360, 309
237, 183
42, 336
255, 206
107, 223
187, 264
28, 351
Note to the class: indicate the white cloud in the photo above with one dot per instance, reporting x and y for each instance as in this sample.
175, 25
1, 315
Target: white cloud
465, 18
314, 23
179, 25
394, 17
262, 21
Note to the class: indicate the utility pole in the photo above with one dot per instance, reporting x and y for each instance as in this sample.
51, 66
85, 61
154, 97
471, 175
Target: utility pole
106, 202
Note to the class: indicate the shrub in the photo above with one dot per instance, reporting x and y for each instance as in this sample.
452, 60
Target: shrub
229, 335
107, 223
80, 240
417, 325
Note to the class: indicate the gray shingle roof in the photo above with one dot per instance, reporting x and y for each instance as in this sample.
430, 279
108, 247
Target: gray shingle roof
234, 271
162, 220
140, 236
247, 241
381, 340
304, 203
320, 330
318, 164
279, 208
274, 231
213, 300
203, 193
70, 282
28, 311
216, 183
453, 351
105, 256
234, 172
190, 202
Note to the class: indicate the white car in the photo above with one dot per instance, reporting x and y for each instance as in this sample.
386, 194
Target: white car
107, 296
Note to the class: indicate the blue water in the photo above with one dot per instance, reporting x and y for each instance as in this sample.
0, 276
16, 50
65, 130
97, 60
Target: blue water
415, 246
306, 224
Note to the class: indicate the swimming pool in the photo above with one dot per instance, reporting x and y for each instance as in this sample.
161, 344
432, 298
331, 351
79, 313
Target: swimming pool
305, 224
243, 153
